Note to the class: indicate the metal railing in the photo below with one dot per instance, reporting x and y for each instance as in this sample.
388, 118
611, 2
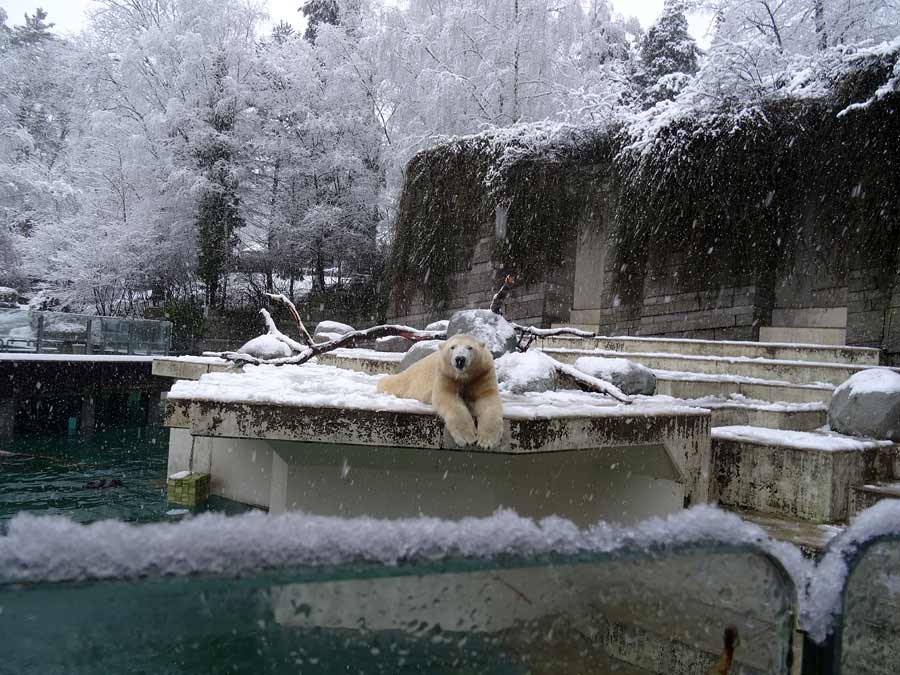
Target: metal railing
63, 333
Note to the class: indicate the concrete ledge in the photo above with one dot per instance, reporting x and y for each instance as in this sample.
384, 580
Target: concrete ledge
799, 475
864, 496
187, 368
784, 351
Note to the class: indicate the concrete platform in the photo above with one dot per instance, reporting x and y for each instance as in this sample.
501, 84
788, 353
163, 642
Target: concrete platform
564, 453
810, 538
187, 367
785, 351
864, 496
798, 372
801, 475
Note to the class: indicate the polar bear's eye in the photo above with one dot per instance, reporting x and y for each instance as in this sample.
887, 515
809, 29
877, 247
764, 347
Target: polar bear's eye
468, 349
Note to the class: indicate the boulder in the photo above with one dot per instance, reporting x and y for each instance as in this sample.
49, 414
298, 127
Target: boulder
419, 351
492, 329
438, 325
333, 327
392, 343
632, 378
265, 347
867, 404
326, 337
519, 372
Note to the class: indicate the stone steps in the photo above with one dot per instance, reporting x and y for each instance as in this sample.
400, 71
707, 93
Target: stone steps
800, 475
860, 356
869, 494
810, 538
797, 372
698, 385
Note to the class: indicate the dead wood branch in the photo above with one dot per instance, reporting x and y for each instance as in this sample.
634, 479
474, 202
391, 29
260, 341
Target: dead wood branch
592, 384
500, 296
280, 298
552, 332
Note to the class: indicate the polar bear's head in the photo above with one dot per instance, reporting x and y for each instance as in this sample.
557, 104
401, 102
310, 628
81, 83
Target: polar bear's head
464, 357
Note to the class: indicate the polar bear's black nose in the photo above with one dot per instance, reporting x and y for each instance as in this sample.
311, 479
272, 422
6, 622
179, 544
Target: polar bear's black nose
460, 362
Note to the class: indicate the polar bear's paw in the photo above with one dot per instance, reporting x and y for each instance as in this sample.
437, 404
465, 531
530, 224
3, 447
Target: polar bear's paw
462, 431
489, 435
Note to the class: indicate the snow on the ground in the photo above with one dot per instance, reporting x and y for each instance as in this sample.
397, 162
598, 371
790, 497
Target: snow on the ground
53, 548
191, 358
738, 401
688, 376
802, 440
368, 354
314, 385
29, 356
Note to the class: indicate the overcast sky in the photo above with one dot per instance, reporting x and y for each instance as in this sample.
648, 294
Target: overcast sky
69, 14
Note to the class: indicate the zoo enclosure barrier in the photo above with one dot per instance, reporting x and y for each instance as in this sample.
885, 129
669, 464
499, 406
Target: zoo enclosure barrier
27, 331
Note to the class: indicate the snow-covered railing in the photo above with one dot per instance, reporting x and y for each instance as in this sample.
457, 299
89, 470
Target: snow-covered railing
498, 594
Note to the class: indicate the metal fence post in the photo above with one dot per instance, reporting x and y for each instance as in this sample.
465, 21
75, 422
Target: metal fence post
40, 333
88, 348
130, 332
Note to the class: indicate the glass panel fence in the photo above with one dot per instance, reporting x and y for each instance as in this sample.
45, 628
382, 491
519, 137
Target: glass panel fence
670, 610
870, 633
61, 332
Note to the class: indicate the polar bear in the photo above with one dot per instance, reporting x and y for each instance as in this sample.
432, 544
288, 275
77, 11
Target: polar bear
459, 381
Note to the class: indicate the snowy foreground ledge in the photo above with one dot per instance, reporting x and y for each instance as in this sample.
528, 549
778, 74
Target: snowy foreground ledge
55, 549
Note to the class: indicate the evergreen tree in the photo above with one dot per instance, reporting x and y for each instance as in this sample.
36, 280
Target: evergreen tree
218, 209
319, 11
668, 53
35, 30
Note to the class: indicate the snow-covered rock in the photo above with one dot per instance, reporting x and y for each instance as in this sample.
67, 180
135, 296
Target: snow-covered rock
419, 351
492, 329
392, 343
265, 347
333, 327
519, 372
326, 337
438, 325
632, 378
867, 404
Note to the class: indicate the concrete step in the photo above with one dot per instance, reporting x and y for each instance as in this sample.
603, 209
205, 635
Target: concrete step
800, 475
810, 538
743, 412
860, 356
698, 385
798, 372
864, 496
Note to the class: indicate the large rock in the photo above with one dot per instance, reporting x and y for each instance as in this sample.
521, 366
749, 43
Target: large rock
519, 372
438, 325
492, 329
9, 297
265, 347
326, 337
333, 327
867, 404
632, 378
392, 343
419, 351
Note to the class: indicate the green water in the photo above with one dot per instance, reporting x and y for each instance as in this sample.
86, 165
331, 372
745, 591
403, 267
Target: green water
63, 476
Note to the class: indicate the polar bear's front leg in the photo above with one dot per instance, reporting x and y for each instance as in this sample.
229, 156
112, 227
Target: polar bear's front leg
489, 412
455, 414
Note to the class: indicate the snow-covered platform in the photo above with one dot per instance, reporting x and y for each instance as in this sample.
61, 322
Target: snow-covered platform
322, 440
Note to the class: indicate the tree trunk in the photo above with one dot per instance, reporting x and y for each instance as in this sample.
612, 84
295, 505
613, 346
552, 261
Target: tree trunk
821, 32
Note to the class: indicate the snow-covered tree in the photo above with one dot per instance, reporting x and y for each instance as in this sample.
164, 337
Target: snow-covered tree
668, 54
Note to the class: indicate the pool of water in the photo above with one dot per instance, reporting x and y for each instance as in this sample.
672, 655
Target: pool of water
117, 474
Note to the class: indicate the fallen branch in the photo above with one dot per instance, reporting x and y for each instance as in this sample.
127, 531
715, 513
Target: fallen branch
283, 299
278, 335
500, 296
552, 332
304, 354
592, 384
